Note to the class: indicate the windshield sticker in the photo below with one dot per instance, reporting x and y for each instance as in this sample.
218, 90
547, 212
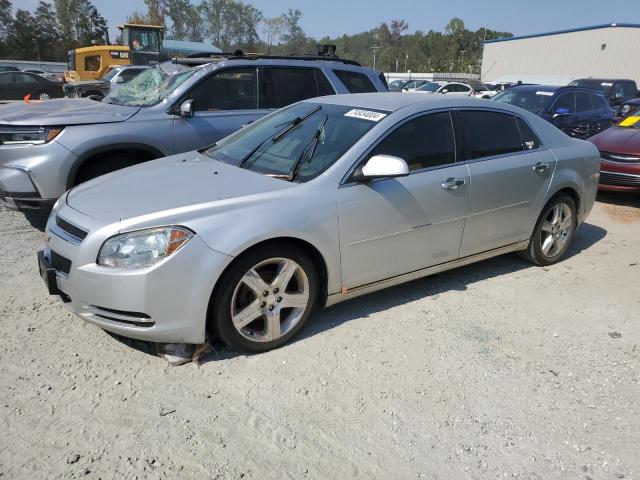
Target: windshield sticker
546, 94
607, 84
366, 115
630, 121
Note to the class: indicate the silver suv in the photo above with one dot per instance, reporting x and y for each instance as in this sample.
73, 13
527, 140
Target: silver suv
47, 148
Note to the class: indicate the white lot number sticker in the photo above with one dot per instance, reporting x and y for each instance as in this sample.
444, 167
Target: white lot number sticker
607, 84
366, 115
546, 94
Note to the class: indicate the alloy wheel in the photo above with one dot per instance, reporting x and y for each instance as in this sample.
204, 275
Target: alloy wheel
270, 299
556, 230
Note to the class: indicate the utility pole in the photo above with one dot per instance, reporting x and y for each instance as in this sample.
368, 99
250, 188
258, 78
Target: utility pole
375, 49
462, 66
406, 59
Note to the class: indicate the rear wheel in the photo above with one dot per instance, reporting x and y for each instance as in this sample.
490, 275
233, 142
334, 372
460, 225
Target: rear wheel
553, 233
265, 298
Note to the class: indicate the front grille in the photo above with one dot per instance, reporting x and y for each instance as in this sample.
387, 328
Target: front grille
60, 263
620, 157
619, 179
70, 229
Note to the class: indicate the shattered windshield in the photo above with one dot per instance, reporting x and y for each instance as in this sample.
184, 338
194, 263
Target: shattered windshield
149, 88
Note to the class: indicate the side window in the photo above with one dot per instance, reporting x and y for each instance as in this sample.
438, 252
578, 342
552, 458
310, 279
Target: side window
618, 91
235, 89
423, 142
92, 63
629, 90
290, 85
449, 87
566, 101
463, 88
583, 102
530, 140
23, 78
599, 102
324, 87
6, 78
355, 82
491, 133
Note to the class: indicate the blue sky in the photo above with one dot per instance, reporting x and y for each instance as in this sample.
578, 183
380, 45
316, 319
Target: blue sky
335, 17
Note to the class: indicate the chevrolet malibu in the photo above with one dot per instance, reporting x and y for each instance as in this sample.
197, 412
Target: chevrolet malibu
317, 203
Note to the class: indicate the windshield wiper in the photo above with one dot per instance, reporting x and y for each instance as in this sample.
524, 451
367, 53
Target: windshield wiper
275, 138
309, 150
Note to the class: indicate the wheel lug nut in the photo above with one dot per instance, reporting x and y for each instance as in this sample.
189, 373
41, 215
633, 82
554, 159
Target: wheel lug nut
265, 294
279, 299
276, 290
271, 307
263, 304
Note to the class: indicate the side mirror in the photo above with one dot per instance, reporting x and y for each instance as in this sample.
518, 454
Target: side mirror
444, 91
561, 111
119, 80
186, 109
382, 166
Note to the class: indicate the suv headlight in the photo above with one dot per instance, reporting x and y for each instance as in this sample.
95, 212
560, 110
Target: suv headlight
28, 135
142, 248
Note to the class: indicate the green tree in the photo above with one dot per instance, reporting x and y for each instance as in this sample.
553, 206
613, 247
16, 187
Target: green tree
47, 33
6, 26
23, 43
294, 37
156, 11
274, 28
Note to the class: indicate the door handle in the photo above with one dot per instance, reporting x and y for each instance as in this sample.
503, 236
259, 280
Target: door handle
453, 183
540, 167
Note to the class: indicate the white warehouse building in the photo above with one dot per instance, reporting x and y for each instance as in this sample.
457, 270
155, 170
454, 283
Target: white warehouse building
601, 51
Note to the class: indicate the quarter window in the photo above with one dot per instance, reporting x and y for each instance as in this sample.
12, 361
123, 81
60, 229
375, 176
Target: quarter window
423, 142
290, 85
355, 82
491, 133
235, 89
92, 63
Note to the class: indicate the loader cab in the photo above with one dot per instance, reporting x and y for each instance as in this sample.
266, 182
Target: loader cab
143, 41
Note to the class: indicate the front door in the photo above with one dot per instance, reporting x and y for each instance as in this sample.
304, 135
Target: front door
393, 226
510, 176
224, 103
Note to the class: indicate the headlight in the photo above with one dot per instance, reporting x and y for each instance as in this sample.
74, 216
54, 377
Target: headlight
28, 135
143, 248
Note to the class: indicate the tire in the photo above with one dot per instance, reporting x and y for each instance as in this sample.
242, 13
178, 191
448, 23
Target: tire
553, 233
254, 316
43, 96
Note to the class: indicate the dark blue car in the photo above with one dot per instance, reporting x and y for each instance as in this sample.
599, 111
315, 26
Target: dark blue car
579, 112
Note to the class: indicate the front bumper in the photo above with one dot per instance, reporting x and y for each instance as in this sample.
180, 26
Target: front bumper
165, 303
619, 177
33, 176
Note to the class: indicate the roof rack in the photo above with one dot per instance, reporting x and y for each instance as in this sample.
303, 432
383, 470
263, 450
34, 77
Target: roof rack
326, 53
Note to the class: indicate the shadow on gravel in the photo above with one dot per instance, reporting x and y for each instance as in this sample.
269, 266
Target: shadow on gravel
362, 307
37, 218
620, 198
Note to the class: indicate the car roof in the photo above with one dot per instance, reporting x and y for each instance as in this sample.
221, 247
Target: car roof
242, 62
393, 101
590, 79
553, 88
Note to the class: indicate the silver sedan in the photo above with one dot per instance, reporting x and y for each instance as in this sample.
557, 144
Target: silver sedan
317, 203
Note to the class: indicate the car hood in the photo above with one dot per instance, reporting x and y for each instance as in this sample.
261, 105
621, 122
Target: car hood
623, 140
63, 111
188, 180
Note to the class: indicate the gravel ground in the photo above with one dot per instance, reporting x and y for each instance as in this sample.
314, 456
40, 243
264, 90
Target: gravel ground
496, 370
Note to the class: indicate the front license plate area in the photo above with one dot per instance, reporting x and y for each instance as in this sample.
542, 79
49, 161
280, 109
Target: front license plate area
48, 274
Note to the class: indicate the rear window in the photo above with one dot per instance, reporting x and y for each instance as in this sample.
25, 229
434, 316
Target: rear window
491, 133
290, 85
355, 82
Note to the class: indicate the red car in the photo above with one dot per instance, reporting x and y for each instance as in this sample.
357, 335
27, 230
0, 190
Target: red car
620, 156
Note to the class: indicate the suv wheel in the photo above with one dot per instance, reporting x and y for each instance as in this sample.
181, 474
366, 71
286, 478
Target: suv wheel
553, 233
265, 298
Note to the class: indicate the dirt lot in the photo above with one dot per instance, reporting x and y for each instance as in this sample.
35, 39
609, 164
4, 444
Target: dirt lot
496, 370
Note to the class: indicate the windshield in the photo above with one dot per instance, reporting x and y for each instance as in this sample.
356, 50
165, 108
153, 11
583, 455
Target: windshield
297, 143
149, 88
536, 101
429, 87
602, 85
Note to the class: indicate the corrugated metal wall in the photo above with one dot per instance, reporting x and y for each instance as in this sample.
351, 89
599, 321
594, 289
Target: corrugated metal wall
575, 54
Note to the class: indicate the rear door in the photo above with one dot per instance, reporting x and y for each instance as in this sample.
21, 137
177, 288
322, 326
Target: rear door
393, 226
510, 175
224, 102
286, 85
563, 114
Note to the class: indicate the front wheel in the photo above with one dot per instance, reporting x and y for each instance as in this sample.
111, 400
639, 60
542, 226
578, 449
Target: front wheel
553, 233
265, 298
